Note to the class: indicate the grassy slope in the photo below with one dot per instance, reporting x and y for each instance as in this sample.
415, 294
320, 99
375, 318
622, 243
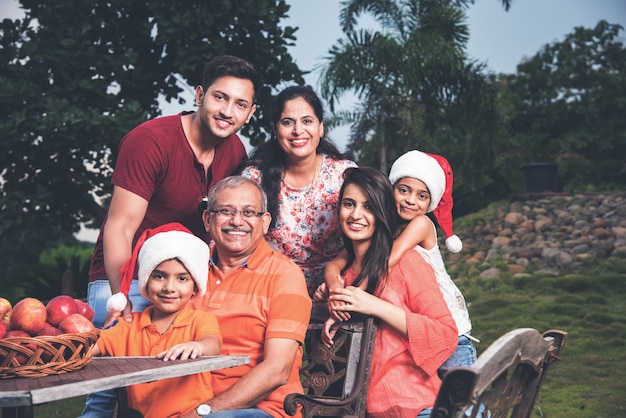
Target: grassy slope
590, 304
590, 380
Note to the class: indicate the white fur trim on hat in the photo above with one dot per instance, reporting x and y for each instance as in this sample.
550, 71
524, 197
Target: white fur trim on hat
185, 247
423, 167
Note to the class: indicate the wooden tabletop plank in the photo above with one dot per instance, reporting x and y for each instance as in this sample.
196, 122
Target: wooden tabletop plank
15, 398
104, 373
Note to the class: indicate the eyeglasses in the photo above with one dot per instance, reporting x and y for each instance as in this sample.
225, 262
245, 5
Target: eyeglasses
227, 213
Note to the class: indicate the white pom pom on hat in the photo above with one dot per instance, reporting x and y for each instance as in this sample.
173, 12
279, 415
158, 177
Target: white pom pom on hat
156, 245
454, 244
435, 172
117, 302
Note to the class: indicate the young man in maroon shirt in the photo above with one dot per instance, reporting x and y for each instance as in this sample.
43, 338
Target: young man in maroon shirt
165, 167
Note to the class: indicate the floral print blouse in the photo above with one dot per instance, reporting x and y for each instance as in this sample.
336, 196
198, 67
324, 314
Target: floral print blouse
307, 229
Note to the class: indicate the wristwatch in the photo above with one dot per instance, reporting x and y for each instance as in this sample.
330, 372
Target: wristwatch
204, 409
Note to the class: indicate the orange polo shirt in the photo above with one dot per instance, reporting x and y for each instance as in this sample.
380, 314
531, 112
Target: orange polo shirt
169, 397
265, 298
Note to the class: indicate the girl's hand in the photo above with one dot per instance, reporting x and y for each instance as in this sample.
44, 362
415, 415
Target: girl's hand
334, 308
184, 351
352, 299
333, 304
328, 331
321, 294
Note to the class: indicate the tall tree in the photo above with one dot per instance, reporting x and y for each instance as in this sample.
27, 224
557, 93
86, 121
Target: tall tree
76, 76
569, 107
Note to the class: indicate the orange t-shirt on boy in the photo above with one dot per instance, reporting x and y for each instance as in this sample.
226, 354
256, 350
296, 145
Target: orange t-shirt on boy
168, 397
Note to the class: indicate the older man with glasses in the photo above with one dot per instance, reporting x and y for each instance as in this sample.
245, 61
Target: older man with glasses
261, 302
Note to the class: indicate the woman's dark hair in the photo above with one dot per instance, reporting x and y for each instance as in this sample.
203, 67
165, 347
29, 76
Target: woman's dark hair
377, 187
269, 158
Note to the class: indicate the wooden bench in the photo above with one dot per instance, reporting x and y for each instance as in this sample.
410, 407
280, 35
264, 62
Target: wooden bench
336, 379
506, 378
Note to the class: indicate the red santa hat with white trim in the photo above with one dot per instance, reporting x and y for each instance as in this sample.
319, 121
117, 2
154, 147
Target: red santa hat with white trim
155, 246
436, 173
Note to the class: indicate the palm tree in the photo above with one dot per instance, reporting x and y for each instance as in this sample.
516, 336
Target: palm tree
374, 79
405, 73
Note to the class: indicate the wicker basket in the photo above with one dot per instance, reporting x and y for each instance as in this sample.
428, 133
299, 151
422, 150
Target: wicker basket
45, 355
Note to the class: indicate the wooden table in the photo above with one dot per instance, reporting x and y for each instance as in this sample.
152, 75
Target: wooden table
18, 395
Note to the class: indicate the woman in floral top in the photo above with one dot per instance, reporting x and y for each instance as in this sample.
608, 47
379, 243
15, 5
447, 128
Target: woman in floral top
301, 172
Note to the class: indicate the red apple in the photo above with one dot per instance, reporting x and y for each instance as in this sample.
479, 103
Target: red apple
5, 308
21, 358
49, 329
59, 308
3, 329
16, 333
84, 309
29, 315
76, 324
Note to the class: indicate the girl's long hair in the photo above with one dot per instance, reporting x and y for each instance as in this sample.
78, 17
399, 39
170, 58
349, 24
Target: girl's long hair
377, 188
269, 158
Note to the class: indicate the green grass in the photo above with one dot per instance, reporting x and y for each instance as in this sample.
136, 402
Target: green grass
68, 408
590, 304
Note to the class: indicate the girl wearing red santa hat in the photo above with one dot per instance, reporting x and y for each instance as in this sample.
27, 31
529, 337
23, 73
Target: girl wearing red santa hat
422, 183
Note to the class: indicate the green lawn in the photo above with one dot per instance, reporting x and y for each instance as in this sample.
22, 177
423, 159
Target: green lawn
590, 380
70, 408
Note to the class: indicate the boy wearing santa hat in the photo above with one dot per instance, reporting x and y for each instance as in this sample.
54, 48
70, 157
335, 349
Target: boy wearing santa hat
172, 266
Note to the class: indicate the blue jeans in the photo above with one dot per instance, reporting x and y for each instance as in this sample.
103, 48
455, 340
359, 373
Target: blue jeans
240, 413
425, 413
464, 355
102, 404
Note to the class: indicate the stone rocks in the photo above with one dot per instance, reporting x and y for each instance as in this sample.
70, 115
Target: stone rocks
546, 233
490, 273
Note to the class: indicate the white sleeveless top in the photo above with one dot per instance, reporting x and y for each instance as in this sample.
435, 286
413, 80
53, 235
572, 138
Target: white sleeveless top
451, 294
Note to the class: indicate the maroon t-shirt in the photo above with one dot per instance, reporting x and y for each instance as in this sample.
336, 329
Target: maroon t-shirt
156, 162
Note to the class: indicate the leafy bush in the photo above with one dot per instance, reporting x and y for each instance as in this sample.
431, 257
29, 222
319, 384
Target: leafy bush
45, 279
